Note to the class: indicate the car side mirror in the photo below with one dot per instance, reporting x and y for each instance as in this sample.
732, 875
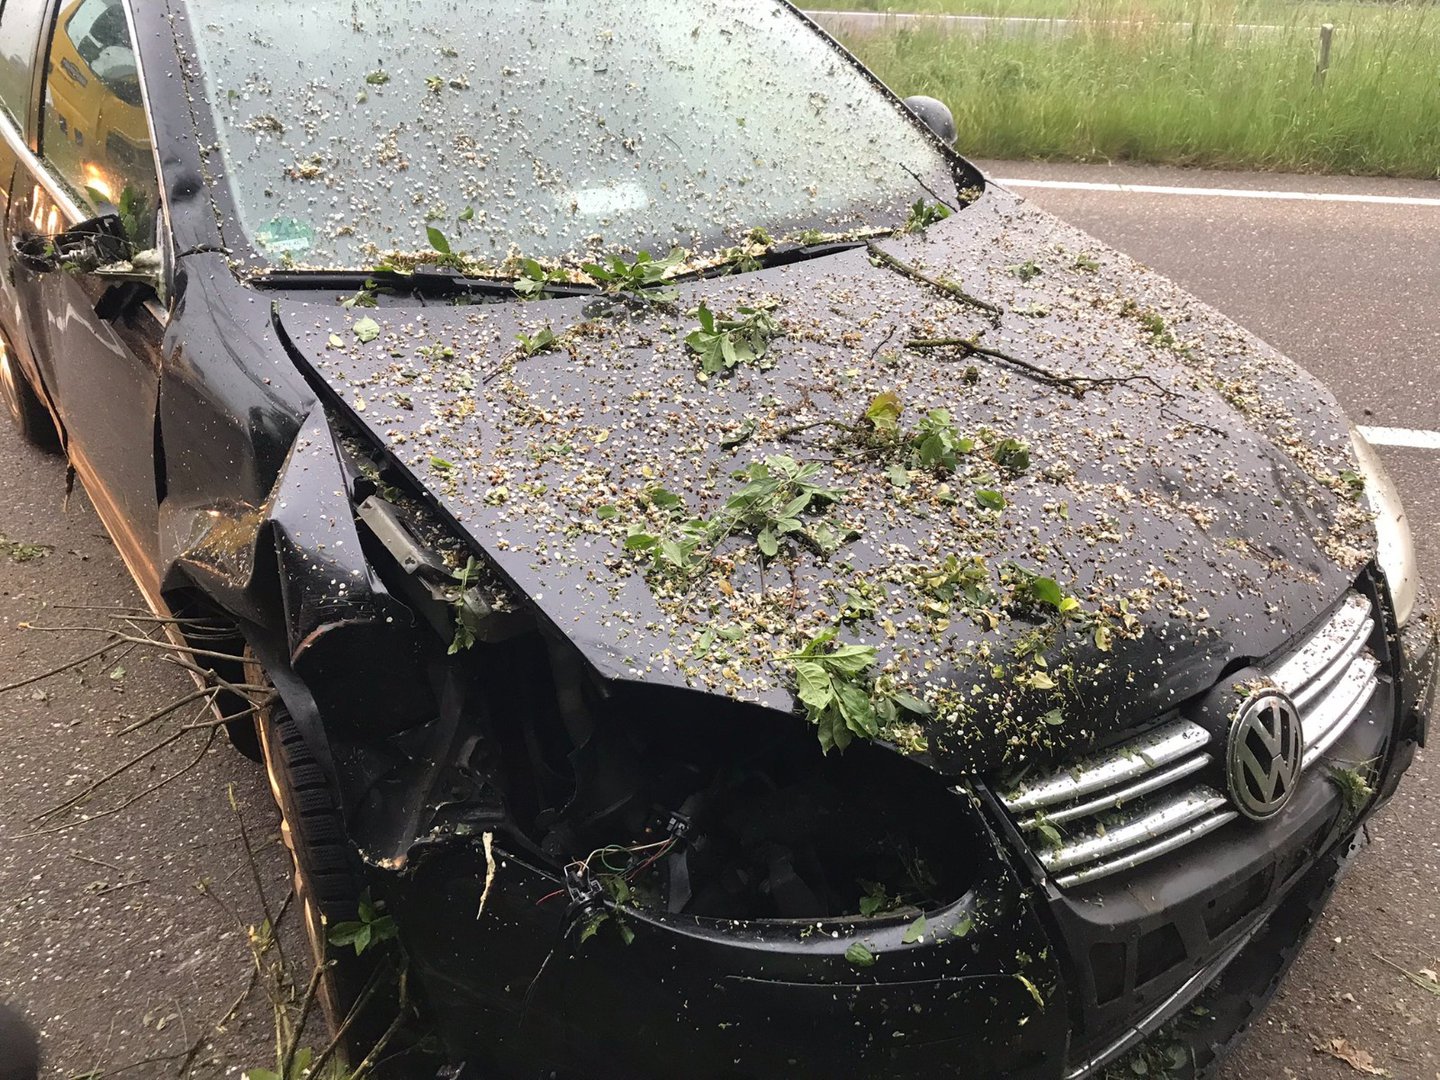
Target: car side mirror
935, 115
96, 247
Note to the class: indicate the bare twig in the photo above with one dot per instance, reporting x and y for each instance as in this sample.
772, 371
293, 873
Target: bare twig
933, 193
123, 885
839, 425
134, 798
94, 786
166, 710
165, 646
306, 1004
255, 872
488, 840
1079, 385
96, 862
949, 288
218, 1025
377, 977
57, 670
379, 1048
1419, 980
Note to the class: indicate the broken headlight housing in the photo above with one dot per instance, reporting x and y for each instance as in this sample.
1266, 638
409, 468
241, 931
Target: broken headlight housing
1395, 548
699, 805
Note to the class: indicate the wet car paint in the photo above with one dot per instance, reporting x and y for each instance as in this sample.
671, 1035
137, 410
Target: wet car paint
254, 515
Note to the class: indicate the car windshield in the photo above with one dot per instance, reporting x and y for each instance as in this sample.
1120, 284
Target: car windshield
355, 129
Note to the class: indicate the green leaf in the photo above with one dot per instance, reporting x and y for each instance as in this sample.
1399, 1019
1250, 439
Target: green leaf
1011, 454
607, 513
468, 214
768, 543
665, 500
1047, 591
874, 899
914, 932
884, 412
850, 660
366, 330
912, 704
1055, 717
833, 732
990, 499
859, 955
857, 710
641, 542
440, 464
1034, 990
592, 927
963, 927
812, 684
706, 642
437, 240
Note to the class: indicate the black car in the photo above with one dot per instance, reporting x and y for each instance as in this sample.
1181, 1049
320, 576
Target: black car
748, 596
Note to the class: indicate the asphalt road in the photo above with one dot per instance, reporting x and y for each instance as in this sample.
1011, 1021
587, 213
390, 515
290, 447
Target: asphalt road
1352, 292
125, 963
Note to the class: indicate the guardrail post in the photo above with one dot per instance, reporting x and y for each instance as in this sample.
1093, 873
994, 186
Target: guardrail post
1327, 31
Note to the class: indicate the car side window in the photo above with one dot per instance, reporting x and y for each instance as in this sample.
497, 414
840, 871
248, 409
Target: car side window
19, 34
93, 128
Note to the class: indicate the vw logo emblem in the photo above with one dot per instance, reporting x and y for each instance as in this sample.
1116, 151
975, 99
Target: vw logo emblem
1264, 755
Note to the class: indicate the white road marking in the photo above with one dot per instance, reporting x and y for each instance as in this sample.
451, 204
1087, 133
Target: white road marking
1415, 439
1224, 193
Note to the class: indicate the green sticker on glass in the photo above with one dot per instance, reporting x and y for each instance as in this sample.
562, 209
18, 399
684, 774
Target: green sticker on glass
285, 236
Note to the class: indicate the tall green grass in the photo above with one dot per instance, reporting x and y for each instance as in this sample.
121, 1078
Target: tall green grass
1235, 11
1123, 88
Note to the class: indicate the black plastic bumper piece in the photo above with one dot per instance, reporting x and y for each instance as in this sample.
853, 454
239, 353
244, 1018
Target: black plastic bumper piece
668, 996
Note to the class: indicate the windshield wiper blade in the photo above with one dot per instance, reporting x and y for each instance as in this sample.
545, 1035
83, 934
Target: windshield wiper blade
777, 257
424, 281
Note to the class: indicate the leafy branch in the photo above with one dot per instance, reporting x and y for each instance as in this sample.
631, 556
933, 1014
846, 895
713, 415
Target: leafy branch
837, 690
1079, 385
534, 281
370, 929
644, 278
923, 215
949, 288
723, 344
778, 506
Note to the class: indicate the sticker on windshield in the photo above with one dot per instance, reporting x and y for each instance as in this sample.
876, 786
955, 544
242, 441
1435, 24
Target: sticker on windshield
603, 201
285, 236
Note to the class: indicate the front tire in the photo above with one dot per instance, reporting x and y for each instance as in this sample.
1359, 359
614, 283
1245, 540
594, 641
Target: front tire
328, 874
26, 409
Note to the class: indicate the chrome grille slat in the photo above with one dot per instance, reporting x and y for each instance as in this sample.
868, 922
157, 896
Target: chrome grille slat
1149, 811
1112, 799
1317, 688
1151, 823
1153, 851
1327, 721
1097, 772
1303, 665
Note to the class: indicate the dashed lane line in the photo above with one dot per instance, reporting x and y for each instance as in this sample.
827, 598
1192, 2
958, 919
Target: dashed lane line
1225, 193
1411, 438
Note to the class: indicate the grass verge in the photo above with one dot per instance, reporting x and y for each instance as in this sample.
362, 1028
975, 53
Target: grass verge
1120, 88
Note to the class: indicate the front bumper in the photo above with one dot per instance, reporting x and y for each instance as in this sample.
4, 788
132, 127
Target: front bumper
1016, 979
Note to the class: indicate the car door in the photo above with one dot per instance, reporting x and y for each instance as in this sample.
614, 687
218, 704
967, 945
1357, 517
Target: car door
98, 344
21, 22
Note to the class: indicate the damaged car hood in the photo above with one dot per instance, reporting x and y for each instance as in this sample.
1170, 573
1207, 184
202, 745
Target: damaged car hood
1185, 492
